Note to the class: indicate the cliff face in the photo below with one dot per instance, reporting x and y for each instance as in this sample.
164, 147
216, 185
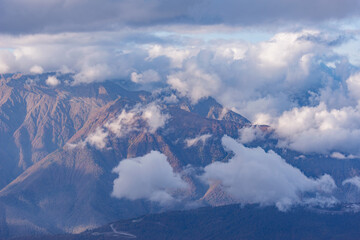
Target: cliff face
48, 185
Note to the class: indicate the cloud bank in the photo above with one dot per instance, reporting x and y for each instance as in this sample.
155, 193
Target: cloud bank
86, 15
256, 176
149, 177
293, 73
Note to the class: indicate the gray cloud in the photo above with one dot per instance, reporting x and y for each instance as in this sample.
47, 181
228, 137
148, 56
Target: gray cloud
22, 16
256, 176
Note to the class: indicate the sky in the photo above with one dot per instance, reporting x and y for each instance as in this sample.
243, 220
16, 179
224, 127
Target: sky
293, 65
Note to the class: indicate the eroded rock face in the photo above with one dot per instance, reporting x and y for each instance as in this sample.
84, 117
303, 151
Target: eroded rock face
50, 186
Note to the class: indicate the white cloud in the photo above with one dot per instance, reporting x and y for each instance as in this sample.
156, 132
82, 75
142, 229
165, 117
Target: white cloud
194, 83
267, 77
148, 177
36, 69
256, 176
342, 156
52, 81
264, 81
93, 73
321, 201
98, 138
3, 67
123, 124
353, 83
153, 116
176, 55
250, 134
319, 130
353, 181
128, 121
193, 141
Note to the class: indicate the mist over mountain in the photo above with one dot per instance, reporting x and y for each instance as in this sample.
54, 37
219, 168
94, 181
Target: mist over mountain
59, 176
80, 156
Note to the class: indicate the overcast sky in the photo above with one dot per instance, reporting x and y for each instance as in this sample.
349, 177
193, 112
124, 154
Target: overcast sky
35, 16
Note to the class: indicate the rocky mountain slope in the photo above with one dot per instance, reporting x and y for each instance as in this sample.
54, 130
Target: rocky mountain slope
49, 186
60, 145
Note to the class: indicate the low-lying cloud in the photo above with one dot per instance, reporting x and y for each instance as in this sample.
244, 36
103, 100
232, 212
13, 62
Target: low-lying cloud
255, 176
149, 177
52, 81
148, 118
250, 134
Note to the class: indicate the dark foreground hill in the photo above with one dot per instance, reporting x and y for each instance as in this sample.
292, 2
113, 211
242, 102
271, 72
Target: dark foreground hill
230, 222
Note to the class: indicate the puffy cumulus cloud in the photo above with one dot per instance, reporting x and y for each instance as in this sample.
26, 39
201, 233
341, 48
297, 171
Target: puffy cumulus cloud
90, 57
52, 81
319, 129
92, 73
262, 76
353, 181
124, 123
148, 177
36, 69
255, 176
177, 55
98, 138
86, 15
199, 139
353, 84
154, 117
284, 48
267, 81
128, 121
266, 77
194, 82
329, 126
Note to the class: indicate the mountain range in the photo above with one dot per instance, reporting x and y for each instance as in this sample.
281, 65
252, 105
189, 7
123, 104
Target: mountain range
60, 145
